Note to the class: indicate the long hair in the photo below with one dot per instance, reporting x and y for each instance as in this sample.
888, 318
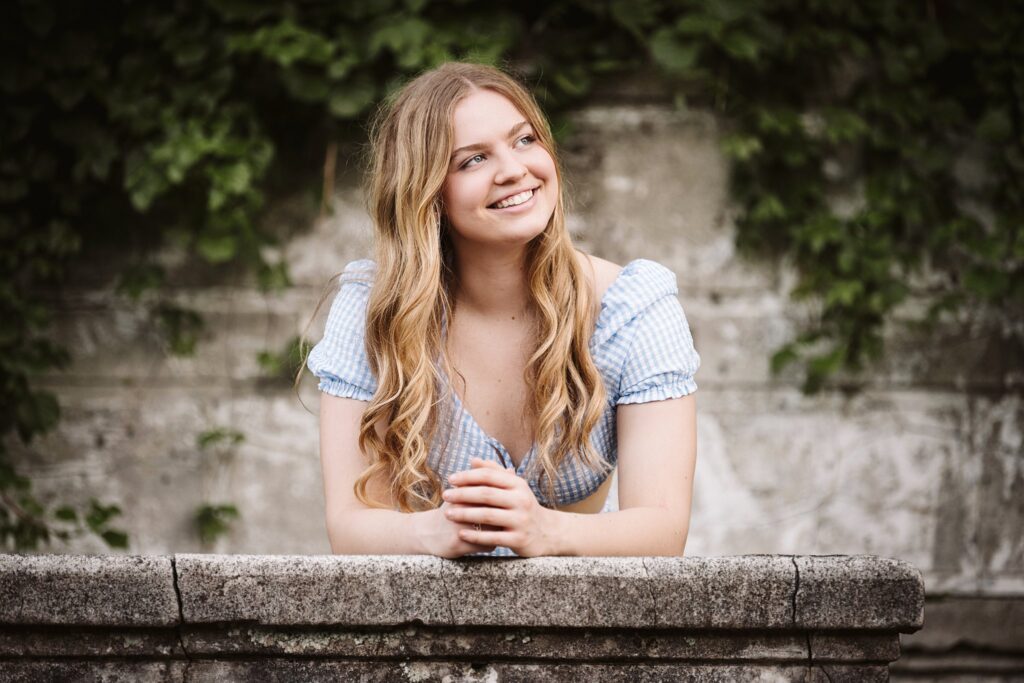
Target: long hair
412, 298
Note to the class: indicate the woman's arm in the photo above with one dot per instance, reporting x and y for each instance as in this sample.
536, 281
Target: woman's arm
355, 529
657, 456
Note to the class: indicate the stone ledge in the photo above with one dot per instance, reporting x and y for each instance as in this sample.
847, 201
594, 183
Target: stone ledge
837, 591
114, 590
211, 617
742, 592
751, 591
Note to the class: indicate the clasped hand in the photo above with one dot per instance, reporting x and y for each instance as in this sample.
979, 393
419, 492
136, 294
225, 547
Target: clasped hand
504, 506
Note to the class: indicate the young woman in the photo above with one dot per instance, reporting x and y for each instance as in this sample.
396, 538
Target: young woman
482, 379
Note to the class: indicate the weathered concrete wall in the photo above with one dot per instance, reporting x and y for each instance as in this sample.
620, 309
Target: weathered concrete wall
925, 464
268, 618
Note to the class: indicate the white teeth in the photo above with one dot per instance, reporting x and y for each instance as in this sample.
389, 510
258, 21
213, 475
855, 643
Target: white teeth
514, 200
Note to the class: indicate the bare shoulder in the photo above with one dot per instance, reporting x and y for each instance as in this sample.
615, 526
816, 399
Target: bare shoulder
601, 272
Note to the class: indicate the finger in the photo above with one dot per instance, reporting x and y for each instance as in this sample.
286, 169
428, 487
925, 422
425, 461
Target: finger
480, 495
485, 476
480, 462
491, 464
494, 538
485, 516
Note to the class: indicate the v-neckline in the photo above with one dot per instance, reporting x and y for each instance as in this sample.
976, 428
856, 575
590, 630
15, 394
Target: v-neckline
499, 447
503, 453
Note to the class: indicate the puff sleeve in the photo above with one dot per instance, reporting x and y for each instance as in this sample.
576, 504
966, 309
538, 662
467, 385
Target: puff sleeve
660, 359
339, 359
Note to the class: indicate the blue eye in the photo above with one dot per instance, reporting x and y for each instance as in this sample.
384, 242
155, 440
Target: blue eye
528, 138
469, 161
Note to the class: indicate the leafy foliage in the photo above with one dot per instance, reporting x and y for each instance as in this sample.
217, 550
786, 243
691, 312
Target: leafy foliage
213, 521
880, 146
219, 437
283, 364
876, 144
23, 525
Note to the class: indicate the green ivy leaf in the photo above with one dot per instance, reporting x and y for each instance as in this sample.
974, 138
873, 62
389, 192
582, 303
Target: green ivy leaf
284, 43
285, 363
213, 521
305, 86
342, 65
843, 125
783, 358
820, 367
636, 16
66, 513
181, 328
768, 208
351, 99
405, 37
219, 436
844, 293
138, 279
36, 413
743, 46
217, 248
274, 277
700, 26
144, 183
741, 147
676, 56
115, 539
99, 515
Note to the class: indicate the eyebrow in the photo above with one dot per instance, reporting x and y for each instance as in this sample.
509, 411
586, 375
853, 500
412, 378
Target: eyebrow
472, 148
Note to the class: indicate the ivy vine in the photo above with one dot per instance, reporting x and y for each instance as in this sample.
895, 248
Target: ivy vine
878, 145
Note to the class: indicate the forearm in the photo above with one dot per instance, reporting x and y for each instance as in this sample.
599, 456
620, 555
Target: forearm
374, 532
634, 532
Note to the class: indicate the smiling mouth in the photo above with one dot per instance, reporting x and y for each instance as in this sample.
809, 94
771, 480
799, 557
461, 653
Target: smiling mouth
514, 200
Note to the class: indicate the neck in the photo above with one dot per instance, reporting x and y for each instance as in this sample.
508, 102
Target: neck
492, 282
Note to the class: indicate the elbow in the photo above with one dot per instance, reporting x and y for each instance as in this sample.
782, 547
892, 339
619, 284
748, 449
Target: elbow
682, 541
679, 529
338, 526
682, 531
334, 538
674, 544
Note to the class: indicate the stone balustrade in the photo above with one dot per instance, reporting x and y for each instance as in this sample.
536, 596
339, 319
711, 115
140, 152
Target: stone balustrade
311, 618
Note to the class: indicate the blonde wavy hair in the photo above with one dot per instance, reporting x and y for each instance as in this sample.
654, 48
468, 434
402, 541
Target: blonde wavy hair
413, 294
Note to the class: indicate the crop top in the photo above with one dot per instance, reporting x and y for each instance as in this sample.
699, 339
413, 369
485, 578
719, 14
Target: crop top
641, 345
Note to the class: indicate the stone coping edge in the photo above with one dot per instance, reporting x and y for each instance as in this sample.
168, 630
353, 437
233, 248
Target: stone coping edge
735, 592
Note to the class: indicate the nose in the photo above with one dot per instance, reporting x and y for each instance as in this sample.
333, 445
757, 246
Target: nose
510, 169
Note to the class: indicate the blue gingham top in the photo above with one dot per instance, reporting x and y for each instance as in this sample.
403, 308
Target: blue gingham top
641, 345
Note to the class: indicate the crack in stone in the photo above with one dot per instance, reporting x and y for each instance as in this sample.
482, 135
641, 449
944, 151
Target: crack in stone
650, 588
181, 613
807, 634
447, 594
796, 587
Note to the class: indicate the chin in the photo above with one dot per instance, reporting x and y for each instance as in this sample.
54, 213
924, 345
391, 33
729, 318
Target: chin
521, 236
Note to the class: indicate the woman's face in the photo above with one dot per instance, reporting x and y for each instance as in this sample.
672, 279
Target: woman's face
501, 187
